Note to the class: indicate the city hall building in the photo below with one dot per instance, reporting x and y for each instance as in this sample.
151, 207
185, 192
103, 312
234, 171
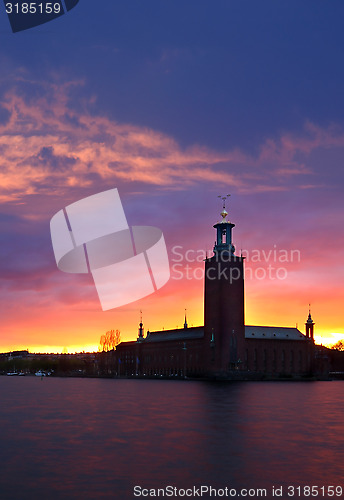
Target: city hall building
224, 348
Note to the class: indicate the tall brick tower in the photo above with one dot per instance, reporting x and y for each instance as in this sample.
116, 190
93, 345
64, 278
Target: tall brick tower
224, 327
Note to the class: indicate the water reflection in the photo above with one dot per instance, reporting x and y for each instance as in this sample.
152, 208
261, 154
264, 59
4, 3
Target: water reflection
78, 438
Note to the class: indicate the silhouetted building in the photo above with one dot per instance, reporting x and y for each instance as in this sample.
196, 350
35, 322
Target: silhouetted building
224, 347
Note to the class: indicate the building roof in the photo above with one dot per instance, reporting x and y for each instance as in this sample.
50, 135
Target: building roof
195, 332
273, 333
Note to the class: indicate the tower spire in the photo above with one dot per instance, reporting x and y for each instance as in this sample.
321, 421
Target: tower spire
309, 325
309, 320
224, 212
224, 228
185, 321
141, 329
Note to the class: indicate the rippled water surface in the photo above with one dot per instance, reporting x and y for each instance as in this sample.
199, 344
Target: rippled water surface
64, 438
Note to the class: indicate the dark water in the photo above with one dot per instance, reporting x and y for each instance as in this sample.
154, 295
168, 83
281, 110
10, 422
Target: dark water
95, 439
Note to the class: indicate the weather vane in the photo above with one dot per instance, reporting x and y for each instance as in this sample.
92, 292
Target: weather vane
224, 198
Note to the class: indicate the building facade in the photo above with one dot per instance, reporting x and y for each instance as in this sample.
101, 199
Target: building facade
224, 348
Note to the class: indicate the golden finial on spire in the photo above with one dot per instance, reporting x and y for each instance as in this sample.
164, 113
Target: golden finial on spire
224, 212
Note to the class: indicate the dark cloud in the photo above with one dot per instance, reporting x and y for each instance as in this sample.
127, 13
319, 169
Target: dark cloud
4, 116
46, 157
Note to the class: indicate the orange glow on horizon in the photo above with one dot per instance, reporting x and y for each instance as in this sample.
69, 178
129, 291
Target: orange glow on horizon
80, 327
326, 338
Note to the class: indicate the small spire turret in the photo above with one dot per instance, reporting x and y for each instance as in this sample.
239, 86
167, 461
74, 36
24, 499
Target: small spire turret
309, 320
141, 329
185, 321
310, 325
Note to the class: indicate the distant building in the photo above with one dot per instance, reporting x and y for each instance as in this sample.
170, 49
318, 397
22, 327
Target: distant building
16, 355
224, 347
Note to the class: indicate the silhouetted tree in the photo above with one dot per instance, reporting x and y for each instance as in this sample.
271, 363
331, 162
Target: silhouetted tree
109, 341
339, 346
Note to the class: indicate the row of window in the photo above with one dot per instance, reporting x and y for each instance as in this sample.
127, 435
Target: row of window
289, 360
130, 358
164, 372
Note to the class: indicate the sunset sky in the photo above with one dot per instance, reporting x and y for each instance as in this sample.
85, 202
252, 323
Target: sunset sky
174, 103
